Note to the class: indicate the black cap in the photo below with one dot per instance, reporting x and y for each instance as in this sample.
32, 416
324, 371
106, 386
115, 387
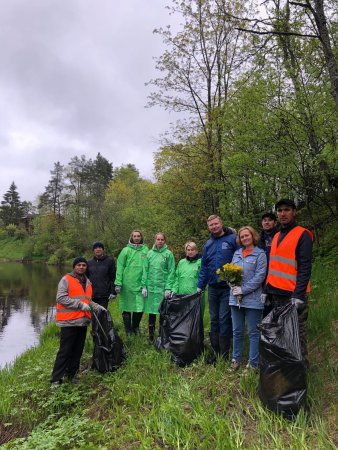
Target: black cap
98, 244
285, 201
271, 216
78, 260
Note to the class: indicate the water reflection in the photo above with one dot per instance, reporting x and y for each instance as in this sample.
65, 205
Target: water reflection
27, 303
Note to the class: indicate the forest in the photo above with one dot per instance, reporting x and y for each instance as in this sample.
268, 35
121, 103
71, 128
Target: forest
255, 89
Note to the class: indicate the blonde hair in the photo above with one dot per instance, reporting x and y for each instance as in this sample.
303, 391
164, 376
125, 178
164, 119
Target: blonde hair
191, 244
254, 234
213, 217
160, 232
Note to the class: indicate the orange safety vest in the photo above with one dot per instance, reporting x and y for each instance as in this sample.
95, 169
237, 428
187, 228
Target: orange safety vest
75, 290
283, 264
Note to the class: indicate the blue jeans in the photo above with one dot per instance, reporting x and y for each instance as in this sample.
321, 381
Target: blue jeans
253, 318
219, 309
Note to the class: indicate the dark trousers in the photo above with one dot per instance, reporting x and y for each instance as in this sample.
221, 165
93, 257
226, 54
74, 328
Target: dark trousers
67, 362
303, 312
220, 311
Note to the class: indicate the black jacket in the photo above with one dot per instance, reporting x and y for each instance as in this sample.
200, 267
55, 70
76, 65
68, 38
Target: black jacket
304, 262
101, 272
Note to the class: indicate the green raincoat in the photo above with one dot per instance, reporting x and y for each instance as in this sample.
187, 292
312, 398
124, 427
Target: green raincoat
129, 276
158, 276
186, 278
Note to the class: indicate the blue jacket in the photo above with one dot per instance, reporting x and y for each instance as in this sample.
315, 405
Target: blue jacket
217, 252
254, 270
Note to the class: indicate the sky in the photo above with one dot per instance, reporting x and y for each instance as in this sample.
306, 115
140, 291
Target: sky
72, 83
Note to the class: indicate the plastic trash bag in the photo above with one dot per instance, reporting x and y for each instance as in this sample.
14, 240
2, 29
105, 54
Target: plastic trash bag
109, 351
181, 328
283, 371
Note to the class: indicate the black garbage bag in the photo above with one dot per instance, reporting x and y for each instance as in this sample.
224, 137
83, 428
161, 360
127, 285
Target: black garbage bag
181, 328
109, 351
283, 371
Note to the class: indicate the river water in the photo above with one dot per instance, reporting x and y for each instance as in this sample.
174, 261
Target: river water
27, 303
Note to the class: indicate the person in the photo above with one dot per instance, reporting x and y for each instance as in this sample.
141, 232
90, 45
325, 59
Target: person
73, 315
253, 261
290, 264
101, 271
218, 250
128, 282
157, 279
187, 272
269, 229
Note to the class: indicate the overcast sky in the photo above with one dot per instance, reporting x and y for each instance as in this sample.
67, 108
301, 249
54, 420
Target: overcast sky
72, 76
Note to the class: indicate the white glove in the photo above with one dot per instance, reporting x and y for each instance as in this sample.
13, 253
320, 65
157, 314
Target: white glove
297, 302
145, 292
118, 289
168, 293
85, 306
199, 290
100, 308
264, 298
111, 297
237, 290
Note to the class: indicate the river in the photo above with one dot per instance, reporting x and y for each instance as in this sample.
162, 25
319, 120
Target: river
27, 304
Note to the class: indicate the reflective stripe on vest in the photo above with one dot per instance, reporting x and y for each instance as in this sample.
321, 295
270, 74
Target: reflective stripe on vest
75, 290
283, 265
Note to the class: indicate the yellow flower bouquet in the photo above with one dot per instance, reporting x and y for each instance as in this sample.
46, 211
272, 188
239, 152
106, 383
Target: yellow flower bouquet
233, 275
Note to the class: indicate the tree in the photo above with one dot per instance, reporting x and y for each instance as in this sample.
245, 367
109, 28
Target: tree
199, 68
11, 206
54, 197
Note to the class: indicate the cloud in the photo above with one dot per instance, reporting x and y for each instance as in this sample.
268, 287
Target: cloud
72, 77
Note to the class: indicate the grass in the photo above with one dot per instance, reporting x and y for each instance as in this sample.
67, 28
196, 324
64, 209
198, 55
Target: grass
149, 403
12, 249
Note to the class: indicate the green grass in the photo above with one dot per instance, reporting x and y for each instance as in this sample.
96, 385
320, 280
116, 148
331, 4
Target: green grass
12, 249
149, 403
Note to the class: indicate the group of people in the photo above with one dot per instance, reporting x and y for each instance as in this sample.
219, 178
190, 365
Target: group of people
276, 267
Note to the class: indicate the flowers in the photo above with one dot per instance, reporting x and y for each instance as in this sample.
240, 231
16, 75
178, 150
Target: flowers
232, 274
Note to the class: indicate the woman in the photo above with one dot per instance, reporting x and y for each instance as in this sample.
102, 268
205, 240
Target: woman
128, 282
158, 279
253, 261
187, 272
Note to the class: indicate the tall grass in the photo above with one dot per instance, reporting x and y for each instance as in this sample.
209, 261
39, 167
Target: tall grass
149, 403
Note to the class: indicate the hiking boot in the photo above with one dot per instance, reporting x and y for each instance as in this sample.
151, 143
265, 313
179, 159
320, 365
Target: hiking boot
234, 366
74, 381
214, 341
249, 368
54, 386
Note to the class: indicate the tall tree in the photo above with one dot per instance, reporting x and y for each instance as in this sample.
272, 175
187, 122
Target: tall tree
11, 206
199, 67
54, 196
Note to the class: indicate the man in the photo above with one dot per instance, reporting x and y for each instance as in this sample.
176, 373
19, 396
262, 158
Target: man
218, 250
101, 272
269, 229
73, 315
290, 266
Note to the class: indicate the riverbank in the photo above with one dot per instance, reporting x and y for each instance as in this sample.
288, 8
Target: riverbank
149, 403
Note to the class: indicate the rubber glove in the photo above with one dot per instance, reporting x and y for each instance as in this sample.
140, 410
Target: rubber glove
145, 292
199, 290
168, 293
264, 298
297, 302
85, 307
118, 289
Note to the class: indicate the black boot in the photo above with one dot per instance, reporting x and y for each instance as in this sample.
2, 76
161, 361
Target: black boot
137, 316
126, 316
214, 341
224, 347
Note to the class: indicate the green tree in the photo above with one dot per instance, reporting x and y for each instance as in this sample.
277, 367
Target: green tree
11, 206
54, 197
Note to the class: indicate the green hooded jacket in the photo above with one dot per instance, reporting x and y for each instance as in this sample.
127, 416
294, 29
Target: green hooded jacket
158, 276
129, 275
186, 276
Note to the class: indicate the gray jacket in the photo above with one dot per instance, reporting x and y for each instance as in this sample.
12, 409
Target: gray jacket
72, 303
